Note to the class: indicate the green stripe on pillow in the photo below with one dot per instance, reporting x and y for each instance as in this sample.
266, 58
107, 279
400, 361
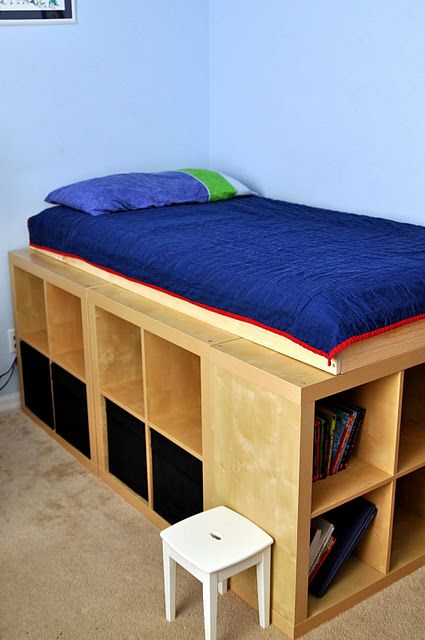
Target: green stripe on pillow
217, 186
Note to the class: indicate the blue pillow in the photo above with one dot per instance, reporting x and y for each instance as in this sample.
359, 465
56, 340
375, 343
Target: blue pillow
130, 191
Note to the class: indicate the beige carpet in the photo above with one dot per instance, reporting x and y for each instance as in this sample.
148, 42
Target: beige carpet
78, 563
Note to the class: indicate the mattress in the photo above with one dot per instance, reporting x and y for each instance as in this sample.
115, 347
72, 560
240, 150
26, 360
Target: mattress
324, 279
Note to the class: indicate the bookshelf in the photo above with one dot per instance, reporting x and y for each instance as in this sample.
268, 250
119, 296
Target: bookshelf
167, 393
273, 405
54, 367
148, 362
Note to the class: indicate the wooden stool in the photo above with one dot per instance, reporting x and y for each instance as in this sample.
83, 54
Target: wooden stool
213, 546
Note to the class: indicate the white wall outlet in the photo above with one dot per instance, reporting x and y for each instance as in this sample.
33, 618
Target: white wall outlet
11, 340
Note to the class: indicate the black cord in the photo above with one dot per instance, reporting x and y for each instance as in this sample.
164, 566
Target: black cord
10, 371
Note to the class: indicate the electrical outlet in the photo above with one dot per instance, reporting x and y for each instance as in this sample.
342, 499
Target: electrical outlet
12, 340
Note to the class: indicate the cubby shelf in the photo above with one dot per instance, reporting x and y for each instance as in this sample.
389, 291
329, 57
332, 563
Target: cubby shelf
355, 576
38, 340
408, 538
128, 395
408, 542
73, 362
358, 478
412, 446
184, 429
174, 391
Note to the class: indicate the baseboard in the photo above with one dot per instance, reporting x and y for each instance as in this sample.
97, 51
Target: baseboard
10, 402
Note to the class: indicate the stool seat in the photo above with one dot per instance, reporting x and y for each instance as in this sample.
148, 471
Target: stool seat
213, 546
216, 539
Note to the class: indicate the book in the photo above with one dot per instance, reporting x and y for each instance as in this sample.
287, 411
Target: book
353, 437
343, 441
322, 448
326, 530
315, 535
350, 522
330, 416
321, 560
342, 419
316, 457
336, 430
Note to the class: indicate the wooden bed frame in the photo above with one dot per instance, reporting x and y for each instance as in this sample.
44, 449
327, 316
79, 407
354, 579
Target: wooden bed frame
374, 349
247, 413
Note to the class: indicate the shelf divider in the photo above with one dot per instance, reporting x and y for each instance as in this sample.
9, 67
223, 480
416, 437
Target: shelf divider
128, 395
357, 479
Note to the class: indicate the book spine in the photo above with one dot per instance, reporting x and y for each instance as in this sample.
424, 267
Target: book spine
331, 446
322, 559
353, 438
342, 444
317, 449
321, 450
322, 548
326, 441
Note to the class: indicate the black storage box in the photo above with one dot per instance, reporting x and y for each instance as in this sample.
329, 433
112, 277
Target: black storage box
127, 448
70, 401
37, 385
177, 480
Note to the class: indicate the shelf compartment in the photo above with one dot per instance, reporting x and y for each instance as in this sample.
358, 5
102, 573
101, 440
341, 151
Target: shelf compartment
31, 310
354, 577
73, 362
65, 330
70, 405
358, 478
126, 437
36, 383
176, 479
173, 381
412, 446
408, 542
184, 430
370, 560
128, 396
119, 349
411, 454
377, 443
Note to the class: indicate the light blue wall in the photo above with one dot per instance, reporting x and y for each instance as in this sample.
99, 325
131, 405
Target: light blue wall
316, 102
124, 89
322, 102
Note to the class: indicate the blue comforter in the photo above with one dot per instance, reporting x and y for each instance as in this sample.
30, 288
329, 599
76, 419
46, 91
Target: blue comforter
322, 278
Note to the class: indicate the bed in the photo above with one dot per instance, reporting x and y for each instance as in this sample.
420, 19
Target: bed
321, 286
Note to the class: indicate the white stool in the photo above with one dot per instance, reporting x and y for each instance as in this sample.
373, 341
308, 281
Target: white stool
213, 546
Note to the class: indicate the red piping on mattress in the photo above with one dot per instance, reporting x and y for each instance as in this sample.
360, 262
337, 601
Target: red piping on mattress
339, 347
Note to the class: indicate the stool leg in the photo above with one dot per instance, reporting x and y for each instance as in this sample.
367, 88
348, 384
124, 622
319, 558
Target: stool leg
210, 585
263, 588
222, 587
169, 583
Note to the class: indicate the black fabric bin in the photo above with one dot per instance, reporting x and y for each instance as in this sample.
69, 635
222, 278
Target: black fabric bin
37, 386
177, 480
70, 401
127, 448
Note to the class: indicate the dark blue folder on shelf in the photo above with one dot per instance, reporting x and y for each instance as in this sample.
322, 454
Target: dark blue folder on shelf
350, 521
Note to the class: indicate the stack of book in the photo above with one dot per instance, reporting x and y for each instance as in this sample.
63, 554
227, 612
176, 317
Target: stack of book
336, 429
334, 537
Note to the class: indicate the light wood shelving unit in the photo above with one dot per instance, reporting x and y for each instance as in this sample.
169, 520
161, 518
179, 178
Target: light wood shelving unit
262, 425
242, 416
51, 317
